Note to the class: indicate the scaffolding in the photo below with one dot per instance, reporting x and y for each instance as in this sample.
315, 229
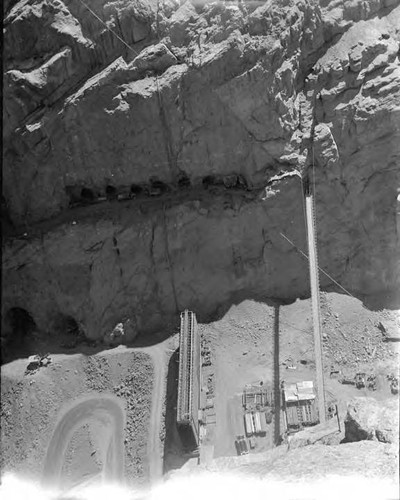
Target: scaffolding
189, 375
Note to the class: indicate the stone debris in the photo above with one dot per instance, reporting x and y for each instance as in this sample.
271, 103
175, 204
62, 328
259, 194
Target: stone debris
37, 361
122, 333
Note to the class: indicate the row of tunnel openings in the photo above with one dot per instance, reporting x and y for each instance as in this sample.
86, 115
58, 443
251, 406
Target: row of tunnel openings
19, 327
155, 187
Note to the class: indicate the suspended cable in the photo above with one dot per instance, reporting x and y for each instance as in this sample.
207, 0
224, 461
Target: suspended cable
108, 28
292, 326
326, 274
303, 203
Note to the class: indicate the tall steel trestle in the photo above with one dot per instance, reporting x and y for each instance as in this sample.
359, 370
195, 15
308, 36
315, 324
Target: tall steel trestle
189, 375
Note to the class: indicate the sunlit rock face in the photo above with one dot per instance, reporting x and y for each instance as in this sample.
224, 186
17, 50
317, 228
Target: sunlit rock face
204, 125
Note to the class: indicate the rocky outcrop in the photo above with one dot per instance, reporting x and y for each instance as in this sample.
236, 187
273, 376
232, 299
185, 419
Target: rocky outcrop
149, 260
323, 434
368, 419
365, 459
204, 106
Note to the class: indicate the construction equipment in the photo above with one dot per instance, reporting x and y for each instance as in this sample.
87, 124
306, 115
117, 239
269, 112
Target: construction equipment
394, 384
347, 381
360, 380
37, 361
371, 382
241, 446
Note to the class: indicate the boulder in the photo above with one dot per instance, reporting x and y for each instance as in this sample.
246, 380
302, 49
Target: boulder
155, 58
122, 333
390, 331
369, 419
327, 434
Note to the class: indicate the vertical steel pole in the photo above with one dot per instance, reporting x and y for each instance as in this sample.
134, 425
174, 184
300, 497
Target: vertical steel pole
338, 418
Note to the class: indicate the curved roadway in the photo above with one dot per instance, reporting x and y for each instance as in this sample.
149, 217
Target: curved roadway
103, 409
108, 412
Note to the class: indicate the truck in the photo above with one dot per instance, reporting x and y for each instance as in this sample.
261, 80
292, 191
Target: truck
241, 446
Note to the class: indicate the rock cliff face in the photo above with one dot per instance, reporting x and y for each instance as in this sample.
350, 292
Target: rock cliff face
154, 152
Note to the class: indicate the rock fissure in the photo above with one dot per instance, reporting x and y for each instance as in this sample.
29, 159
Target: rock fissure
217, 102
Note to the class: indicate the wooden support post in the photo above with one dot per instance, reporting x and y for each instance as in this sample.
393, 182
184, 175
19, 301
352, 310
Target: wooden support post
338, 419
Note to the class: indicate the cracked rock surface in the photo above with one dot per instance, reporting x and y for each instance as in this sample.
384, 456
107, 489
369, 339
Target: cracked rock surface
139, 181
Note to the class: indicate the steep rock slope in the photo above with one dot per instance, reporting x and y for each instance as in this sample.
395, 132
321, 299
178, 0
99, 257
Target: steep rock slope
213, 108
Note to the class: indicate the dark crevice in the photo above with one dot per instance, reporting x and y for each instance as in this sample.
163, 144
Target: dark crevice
87, 194
157, 188
18, 326
211, 180
69, 326
136, 189
111, 193
183, 181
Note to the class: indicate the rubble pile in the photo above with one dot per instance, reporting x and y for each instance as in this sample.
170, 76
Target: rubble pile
355, 342
136, 392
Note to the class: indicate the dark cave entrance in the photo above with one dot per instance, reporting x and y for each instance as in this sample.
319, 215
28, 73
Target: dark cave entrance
87, 195
183, 181
136, 190
111, 193
15, 336
69, 329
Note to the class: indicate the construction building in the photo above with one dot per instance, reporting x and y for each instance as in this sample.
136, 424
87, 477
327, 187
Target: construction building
189, 382
255, 397
300, 405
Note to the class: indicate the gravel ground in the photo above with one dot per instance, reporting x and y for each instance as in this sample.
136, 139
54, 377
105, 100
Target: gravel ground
31, 405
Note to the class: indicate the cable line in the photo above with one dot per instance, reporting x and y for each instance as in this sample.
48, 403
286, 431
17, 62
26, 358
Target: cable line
107, 27
326, 274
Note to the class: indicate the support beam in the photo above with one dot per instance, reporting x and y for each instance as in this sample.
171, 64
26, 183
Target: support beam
314, 280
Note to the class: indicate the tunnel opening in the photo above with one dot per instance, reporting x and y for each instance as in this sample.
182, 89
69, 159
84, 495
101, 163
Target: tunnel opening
69, 329
111, 193
87, 195
158, 187
230, 181
136, 190
74, 194
183, 181
15, 335
241, 182
210, 181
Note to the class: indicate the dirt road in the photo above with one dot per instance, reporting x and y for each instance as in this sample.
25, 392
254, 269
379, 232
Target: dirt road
108, 414
106, 411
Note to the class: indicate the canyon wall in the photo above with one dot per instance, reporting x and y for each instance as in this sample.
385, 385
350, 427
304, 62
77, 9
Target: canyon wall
154, 152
